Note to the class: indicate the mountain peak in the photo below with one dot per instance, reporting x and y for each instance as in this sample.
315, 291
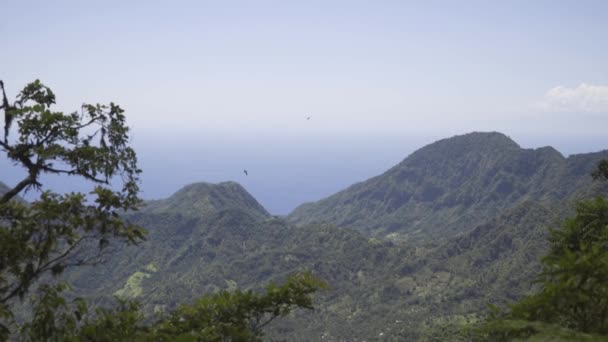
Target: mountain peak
493, 135
451, 185
202, 199
482, 142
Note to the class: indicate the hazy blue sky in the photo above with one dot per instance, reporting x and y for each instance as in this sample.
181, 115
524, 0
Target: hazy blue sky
211, 88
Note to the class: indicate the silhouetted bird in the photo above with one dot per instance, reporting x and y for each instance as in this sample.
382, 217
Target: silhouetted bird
308, 118
246, 174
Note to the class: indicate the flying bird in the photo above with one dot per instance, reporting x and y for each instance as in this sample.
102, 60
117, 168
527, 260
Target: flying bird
246, 174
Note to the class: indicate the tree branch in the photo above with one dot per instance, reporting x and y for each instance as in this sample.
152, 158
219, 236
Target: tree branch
74, 172
17, 189
39, 270
87, 124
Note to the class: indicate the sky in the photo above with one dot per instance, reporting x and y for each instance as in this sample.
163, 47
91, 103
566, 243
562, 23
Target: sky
211, 88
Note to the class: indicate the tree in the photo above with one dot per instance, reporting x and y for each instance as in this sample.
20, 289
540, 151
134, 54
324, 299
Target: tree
225, 316
602, 171
40, 239
574, 281
57, 230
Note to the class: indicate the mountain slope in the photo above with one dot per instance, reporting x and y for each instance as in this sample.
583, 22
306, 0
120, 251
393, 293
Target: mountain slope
377, 286
502, 251
177, 227
491, 214
187, 256
452, 184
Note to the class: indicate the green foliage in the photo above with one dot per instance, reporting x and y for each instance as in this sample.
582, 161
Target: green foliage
124, 322
51, 321
58, 231
575, 275
225, 316
574, 280
238, 315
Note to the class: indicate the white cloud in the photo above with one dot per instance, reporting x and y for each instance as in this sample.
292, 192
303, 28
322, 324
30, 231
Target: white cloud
586, 98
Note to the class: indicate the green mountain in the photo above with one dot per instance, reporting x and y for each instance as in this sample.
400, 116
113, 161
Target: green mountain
501, 255
376, 286
187, 255
184, 231
201, 199
453, 184
408, 286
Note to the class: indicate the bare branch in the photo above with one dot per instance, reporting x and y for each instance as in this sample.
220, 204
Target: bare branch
74, 172
28, 181
87, 124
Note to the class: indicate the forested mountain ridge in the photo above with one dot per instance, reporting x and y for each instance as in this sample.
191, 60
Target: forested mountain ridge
400, 290
448, 186
187, 256
208, 237
183, 230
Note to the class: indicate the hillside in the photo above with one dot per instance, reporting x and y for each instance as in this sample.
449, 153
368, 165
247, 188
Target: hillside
180, 228
376, 286
407, 286
445, 187
186, 256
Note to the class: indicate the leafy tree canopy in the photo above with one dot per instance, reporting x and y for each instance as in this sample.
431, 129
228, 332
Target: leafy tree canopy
225, 316
57, 230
